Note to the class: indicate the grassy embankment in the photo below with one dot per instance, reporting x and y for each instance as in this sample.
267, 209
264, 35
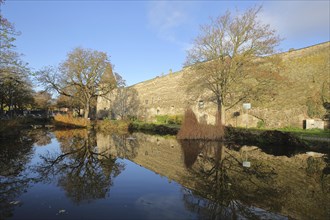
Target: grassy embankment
163, 125
284, 137
105, 125
68, 121
166, 125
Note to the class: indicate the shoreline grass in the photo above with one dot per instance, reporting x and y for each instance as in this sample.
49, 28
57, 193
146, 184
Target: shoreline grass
68, 121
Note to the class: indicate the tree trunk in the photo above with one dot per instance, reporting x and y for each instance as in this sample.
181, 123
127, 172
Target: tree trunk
86, 110
221, 111
1, 108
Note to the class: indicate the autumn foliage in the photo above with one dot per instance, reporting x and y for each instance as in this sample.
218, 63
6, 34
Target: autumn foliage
192, 129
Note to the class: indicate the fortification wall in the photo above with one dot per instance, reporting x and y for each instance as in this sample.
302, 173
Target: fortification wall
306, 71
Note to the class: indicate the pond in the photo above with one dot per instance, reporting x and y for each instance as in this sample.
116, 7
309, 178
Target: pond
80, 174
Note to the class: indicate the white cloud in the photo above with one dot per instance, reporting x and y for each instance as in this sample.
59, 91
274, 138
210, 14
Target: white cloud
166, 17
295, 18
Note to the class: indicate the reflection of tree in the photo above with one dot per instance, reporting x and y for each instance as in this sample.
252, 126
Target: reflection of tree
41, 137
228, 187
14, 155
10, 188
82, 171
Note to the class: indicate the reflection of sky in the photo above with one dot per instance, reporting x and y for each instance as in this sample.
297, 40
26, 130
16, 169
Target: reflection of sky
52, 148
139, 193
164, 206
136, 193
149, 194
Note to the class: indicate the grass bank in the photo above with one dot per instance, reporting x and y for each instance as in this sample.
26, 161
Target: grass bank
151, 128
299, 132
68, 121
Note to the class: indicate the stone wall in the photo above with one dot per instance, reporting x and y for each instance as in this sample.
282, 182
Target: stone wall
305, 71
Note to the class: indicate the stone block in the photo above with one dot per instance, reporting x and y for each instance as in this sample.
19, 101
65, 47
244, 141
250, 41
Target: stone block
314, 123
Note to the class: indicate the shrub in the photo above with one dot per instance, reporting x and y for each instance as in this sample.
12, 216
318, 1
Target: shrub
153, 128
169, 119
161, 119
192, 129
175, 119
261, 124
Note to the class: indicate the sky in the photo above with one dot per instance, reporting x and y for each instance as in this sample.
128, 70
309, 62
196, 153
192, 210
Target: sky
145, 39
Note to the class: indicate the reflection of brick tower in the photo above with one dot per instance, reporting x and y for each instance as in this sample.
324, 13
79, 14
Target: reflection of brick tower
107, 83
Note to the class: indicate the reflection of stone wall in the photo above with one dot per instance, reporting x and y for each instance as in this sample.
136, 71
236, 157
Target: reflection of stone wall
306, 71
295, 185
156, 153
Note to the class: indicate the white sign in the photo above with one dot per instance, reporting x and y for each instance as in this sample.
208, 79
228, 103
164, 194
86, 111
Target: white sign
247, 106
246, 164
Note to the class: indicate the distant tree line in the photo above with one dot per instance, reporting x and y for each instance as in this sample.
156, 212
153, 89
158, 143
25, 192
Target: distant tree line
84, 75
15, 86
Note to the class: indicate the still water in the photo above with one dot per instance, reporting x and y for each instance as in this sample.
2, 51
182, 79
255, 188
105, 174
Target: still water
78, 174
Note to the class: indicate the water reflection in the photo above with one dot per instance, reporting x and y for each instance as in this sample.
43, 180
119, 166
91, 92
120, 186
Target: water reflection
217, 185
225, 189
205, 180
15, 154
84, 172
119, 145
225, 186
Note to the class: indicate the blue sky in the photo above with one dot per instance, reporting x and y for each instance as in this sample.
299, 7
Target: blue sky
147, 38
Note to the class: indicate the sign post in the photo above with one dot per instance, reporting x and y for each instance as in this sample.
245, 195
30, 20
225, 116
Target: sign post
247, 106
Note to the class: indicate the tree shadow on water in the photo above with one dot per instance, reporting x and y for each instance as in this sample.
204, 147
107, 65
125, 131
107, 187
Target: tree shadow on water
80, 169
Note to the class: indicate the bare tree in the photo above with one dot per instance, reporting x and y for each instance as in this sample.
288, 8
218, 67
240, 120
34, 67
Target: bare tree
126, 102
231, 59
81, 76
42, 100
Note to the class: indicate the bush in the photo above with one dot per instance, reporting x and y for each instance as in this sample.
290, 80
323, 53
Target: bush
175, 119
261, 124
161, 119
192, 129
153, 128
169, 119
